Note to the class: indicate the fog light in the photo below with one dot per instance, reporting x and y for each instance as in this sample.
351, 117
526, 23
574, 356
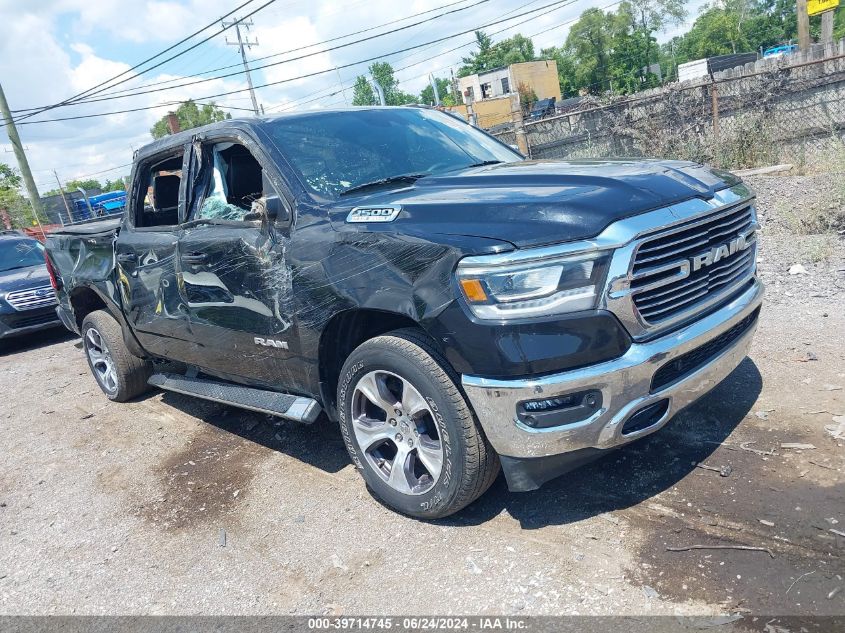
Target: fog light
559, 410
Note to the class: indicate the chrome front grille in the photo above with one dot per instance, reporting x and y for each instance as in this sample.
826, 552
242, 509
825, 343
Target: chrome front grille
683, 269
31, 299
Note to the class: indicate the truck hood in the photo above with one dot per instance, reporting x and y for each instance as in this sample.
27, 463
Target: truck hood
532, 202
23, 278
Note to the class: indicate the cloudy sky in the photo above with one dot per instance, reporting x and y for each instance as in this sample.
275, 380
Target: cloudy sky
54, 49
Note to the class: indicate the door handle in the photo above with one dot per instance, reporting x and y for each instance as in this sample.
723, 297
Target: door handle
194, 258
127, 258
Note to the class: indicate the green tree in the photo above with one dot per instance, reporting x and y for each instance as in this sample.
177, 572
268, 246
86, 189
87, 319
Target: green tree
588, 42
14, 208
527, 98
190, 115
444, 89
735, 26
114, 185
651, 16
363, 94
90, 183
513, 50
10, 179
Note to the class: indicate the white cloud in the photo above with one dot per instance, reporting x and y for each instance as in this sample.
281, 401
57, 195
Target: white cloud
53, 49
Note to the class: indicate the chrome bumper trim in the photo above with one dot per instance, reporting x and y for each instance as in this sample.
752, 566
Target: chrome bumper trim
625, 384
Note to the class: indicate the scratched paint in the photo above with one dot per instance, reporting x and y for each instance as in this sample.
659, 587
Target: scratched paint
201, 293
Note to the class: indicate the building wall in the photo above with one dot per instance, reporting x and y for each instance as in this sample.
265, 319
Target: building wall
490, 112
470, 82
540, 76
494, 80
494, 111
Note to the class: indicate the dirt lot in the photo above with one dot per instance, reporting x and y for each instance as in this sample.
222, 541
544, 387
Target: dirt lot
170, 505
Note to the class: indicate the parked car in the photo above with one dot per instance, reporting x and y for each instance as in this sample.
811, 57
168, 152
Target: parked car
27, 300
451, 305
780, 51
542, 109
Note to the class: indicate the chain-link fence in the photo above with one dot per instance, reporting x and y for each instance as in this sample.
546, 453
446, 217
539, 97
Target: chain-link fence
790, 110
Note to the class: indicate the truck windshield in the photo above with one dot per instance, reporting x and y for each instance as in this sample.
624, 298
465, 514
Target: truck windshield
337, 151
20, 254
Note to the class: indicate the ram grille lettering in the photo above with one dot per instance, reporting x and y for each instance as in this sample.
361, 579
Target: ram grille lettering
269, 342
719, 252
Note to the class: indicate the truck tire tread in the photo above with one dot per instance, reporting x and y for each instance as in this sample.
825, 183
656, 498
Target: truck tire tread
132, 372
481, 464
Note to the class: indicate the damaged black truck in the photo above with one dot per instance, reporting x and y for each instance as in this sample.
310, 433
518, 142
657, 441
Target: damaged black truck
451, 305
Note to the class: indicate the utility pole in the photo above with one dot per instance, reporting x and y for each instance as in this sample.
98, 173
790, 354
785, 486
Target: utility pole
241, 44
803, 25
64, 198
434, 88
23, 164
342, 89
827, 27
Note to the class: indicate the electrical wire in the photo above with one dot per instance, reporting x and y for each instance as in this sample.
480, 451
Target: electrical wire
292, 50
549, 8
139, 92
94, 90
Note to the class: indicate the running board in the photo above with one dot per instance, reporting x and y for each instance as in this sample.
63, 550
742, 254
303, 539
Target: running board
295, 408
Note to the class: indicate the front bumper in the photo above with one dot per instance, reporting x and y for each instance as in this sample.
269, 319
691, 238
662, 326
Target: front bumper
22, 323
625, 384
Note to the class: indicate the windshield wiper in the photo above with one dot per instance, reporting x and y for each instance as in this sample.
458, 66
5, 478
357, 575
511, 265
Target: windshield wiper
484, 163
384, 181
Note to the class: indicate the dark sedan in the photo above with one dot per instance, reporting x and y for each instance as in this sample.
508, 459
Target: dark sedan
27, 299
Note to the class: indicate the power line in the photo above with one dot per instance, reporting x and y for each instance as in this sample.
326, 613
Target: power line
554, 7
307, 99
241, 43
292, 50
469, 43
94, 90
300, 57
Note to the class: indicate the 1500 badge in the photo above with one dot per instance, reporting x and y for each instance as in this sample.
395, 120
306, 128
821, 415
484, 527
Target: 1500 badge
373, 214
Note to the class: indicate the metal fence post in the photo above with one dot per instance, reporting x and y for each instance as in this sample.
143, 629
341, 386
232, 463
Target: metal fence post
714, 106
518, 128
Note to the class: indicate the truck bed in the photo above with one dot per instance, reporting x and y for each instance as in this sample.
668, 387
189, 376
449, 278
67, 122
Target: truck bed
84, 252
92, 227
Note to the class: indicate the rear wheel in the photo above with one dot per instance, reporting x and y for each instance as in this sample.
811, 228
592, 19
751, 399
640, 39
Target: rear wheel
409, 429
119, 373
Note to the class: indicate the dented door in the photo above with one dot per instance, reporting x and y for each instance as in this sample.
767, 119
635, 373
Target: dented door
235, 282
146, 277
145, 257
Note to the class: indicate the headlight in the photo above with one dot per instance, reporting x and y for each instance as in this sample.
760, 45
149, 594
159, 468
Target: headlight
533, 288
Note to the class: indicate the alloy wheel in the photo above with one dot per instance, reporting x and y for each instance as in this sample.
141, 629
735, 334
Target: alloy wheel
396, 430
101, 360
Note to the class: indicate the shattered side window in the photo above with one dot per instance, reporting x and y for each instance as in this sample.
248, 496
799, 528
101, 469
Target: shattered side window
234, 184
159, 205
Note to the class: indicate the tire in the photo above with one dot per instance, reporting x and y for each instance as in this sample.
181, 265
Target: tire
119, 374
430, 414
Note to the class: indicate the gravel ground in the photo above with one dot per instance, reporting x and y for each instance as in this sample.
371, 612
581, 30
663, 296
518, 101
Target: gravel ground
169, 505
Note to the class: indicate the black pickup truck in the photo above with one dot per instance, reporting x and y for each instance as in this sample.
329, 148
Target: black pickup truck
451, 305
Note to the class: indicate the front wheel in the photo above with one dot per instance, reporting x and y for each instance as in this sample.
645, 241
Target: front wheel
119, 373
409, 430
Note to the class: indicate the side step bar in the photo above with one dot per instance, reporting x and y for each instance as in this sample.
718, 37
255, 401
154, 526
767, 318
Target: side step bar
295, 408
